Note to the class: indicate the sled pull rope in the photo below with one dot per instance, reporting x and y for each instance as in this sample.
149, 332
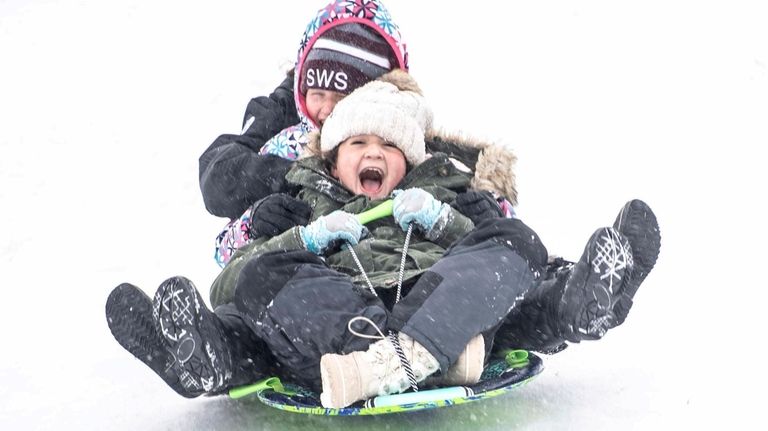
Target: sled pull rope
384, 210
395, 343
380, 211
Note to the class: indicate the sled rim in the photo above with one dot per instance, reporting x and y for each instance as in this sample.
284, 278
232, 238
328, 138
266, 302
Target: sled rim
265, 398
295, 399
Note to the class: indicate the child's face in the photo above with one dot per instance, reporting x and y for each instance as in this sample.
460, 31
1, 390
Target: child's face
368, 165
320, 103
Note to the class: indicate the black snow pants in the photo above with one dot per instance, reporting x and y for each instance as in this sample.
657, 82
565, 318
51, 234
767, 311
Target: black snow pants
301, 307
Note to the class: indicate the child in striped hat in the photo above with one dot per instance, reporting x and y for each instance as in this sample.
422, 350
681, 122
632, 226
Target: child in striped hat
341, 60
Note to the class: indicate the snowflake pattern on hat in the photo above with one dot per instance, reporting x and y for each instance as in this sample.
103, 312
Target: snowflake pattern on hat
370, 10
363, 8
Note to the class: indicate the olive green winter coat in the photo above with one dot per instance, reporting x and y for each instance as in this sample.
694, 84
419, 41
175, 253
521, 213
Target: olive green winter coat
380, 253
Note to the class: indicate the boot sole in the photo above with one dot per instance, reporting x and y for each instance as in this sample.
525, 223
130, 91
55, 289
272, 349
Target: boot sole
182, 318
129, 316
637, 222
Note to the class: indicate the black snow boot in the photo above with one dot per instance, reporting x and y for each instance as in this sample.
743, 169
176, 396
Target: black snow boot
638, 224
583, 301
129, 316
532, 325
212, 353
599, 293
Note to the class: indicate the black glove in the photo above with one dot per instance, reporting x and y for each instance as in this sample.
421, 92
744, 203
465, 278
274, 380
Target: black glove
478, 206
276, 214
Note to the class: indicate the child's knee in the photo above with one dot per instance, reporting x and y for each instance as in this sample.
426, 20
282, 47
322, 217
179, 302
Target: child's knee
511, 233
274, 269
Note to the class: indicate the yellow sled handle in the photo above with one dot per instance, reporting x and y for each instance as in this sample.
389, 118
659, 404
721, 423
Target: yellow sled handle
382, 210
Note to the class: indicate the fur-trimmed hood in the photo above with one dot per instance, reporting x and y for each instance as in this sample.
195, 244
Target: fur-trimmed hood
493, 165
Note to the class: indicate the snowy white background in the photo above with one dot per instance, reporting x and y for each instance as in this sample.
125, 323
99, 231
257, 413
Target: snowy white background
105, 107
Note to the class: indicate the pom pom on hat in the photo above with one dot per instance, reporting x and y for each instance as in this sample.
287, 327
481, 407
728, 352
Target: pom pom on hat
391, 107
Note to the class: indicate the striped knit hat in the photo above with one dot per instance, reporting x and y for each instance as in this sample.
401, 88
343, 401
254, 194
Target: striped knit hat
346, 57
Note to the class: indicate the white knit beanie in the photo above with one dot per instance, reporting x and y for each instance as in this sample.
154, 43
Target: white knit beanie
391, 107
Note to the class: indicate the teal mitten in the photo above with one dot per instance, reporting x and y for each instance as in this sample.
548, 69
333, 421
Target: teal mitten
338, 226
417, 206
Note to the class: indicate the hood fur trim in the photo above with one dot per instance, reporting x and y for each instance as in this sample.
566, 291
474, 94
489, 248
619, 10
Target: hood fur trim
495, 172
313, 145
402, 80
494, 165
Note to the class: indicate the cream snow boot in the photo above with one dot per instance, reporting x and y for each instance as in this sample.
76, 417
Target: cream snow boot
376, 371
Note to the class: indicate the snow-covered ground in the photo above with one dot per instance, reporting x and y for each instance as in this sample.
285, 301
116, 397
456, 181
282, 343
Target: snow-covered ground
105, 107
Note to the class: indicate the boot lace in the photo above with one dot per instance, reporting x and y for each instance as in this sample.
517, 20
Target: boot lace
392, 335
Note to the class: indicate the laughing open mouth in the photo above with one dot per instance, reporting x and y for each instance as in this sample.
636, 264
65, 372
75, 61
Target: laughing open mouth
371, 180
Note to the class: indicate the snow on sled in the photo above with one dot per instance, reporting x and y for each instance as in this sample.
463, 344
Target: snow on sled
499, 377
